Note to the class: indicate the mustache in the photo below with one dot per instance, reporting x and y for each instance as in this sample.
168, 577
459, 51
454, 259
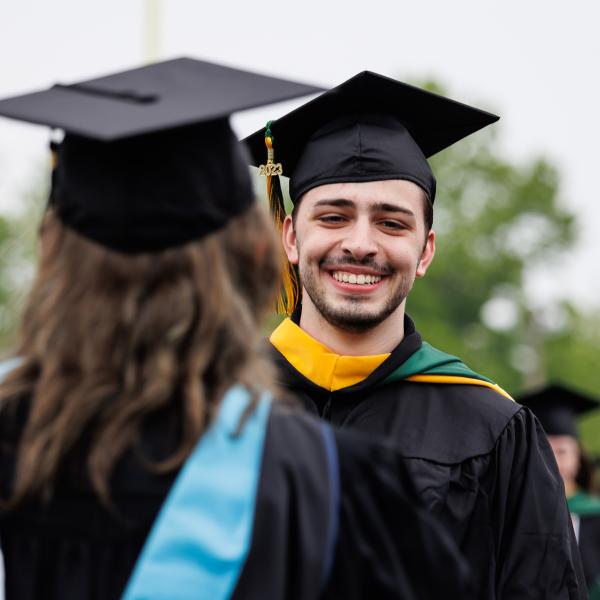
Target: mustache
333, 262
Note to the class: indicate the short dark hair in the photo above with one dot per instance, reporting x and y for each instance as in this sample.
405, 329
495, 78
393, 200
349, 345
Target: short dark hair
427, 212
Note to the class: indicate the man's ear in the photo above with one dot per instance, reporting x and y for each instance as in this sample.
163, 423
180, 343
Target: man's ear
288, 237
427, 254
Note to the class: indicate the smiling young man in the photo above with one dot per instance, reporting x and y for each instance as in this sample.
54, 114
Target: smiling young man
359, 235
359, 247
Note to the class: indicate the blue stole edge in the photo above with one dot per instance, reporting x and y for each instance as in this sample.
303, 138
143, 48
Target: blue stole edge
200, 540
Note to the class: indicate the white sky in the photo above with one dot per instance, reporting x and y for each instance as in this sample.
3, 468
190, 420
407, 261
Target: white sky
534, 62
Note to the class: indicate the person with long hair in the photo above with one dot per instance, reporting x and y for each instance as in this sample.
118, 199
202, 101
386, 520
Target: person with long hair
143, 451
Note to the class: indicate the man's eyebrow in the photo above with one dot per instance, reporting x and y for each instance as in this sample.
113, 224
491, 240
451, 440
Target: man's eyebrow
393, 208
337, 202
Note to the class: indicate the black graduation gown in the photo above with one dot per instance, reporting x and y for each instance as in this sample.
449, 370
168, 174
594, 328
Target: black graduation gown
585, 511
589, 548
322, 528
480, 462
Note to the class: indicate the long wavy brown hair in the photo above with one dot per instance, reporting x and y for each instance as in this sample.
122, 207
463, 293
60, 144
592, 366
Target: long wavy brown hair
107, 339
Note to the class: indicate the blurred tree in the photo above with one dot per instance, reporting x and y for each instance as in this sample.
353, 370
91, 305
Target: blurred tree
497, 221
573, 356
17, 248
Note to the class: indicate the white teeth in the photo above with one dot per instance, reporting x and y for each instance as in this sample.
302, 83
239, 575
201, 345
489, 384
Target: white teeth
356, 279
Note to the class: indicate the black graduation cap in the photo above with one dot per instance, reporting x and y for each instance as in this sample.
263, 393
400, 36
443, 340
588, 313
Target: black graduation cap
368, 128
557, 408
149, 159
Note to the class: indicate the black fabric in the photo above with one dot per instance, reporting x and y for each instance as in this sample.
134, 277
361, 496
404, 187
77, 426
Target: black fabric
149, 99
368, 128
361, 147
558, 420
386, 546
288, 547
73, 547
557, 407
149, 160
480, 462
589, 548
153, 192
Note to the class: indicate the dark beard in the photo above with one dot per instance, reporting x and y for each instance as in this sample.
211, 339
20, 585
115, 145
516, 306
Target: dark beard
351, 319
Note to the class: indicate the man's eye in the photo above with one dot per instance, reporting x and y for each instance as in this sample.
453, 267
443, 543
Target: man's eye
333, 219
388, 224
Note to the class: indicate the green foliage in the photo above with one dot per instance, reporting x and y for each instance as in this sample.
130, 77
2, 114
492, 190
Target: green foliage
573, 356
497, 221
17, 248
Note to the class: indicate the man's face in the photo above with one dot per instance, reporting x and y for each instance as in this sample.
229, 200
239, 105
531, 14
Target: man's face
359, 247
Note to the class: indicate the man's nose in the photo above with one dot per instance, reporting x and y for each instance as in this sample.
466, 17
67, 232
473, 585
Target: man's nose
359, 241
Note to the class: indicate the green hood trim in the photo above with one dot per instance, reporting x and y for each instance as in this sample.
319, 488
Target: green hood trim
595, 590
584, 505
428, 360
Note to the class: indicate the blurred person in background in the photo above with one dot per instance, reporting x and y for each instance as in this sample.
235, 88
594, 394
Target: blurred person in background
359, 233
141, 450
557, 407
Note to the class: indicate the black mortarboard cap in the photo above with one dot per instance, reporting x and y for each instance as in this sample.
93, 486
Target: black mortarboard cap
149, 159
557, 408
368, 128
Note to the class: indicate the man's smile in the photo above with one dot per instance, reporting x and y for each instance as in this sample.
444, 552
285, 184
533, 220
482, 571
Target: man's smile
349, 281
355, 278
360, 279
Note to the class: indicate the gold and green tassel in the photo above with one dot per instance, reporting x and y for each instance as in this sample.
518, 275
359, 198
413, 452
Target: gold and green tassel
290, 284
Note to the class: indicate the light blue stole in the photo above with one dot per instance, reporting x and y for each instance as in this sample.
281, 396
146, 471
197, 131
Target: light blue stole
6, 366
200, 540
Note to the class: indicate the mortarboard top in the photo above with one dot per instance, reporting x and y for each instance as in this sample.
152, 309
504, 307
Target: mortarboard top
557, 408
149, 99
149, 160
368, 128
